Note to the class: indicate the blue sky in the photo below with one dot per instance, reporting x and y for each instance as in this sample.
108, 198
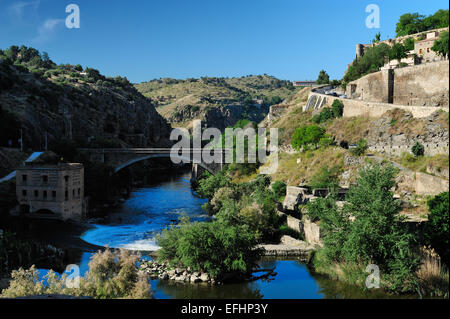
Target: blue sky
147, 39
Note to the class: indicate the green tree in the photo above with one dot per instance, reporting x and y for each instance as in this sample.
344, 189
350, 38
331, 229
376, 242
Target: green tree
409, 44
307, 135
410, 23
441, 46
276, 100
418, 149
323, 78
371, 61
369, 229
209, 184
437, 226
216, 247
361, 148
377, 38
279, 188
398, 52
338, 108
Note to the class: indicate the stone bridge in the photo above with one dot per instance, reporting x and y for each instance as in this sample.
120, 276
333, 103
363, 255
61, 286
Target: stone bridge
120, 158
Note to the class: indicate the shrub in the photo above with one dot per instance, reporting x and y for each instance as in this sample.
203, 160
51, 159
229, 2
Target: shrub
338, 108
112, 274
437, 227
326, 141
418, 149
279, 189
307, 135
325, 178
361, 148
216, 247
210, 183
376, 234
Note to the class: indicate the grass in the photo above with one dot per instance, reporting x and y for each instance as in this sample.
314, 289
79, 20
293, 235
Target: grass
433, 277
299, 167
424, 163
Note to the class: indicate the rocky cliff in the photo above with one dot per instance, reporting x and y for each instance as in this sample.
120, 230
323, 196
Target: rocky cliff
65, 101
218, 102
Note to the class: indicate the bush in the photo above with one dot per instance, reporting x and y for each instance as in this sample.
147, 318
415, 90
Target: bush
418, 149
216, 247
210, 183
325, 178
338, 108
279, 189
307, 135
375, 235
437, 227
112, 274
361, 148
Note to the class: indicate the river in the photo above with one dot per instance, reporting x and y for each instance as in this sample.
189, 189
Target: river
152, 208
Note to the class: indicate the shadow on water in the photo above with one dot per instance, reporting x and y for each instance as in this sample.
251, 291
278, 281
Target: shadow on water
152, 208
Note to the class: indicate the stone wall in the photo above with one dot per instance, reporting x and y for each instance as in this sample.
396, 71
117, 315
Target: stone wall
372, 87
372, 109
426, 184
312, 232
418, 85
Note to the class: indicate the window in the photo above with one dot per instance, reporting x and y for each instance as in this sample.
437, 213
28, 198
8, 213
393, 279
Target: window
54, 194
73, 193
79, 192
428, 50
44, 178
45, 194
66, 178
66, 195
36, 193
24, 192
24, 178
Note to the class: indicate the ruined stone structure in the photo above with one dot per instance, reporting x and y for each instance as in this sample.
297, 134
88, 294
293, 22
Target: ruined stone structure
51, 191
422, 47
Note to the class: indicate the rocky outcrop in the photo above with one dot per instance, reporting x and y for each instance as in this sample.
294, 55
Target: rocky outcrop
164, 272
288, 247
397, 132
72, 105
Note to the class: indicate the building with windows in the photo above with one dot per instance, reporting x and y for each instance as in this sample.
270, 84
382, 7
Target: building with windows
51, 191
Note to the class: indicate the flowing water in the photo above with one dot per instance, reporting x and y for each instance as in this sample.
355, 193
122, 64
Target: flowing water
149, 210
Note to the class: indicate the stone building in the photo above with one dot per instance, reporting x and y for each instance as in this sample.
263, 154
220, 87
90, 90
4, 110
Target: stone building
423, 42
422, 48
51, 191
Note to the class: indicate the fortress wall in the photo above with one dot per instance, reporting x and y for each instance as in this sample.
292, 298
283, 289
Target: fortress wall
422, 85
418, 85
375, 109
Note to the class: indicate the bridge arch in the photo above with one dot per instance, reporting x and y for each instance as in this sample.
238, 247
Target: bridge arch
146, 157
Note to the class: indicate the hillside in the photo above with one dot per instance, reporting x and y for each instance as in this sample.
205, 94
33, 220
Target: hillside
220, 102
389, 138
66, 101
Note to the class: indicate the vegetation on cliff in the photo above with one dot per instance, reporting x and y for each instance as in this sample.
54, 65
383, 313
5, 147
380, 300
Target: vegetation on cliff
221, 102
368, 230
411, 23
67, 101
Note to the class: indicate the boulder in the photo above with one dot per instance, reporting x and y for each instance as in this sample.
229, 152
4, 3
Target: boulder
195, 279
204, 277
